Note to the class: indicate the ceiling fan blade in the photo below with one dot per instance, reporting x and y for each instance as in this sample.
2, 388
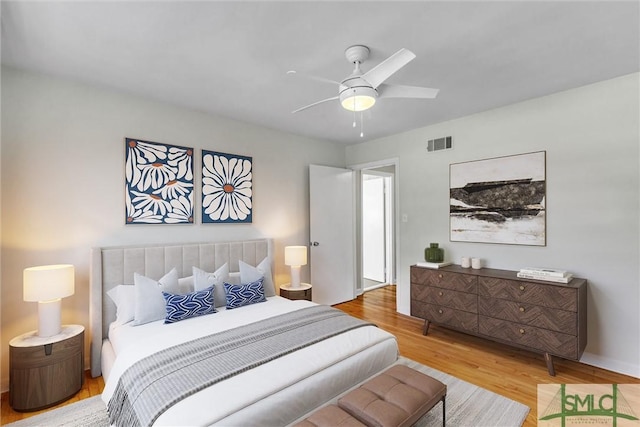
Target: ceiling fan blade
401, 91
294, 73
386, 68
315, 103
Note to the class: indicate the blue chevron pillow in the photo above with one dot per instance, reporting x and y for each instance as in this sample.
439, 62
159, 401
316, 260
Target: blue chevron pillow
180, 307
245, 294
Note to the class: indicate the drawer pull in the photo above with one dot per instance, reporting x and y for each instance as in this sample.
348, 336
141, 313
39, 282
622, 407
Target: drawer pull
522, 331
439, 276
440, 311
440, 293
521, 288
521, 309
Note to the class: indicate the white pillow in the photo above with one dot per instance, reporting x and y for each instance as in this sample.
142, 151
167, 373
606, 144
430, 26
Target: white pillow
150, 304
186, 285
124, 298
250, 274
202, 280
234, 278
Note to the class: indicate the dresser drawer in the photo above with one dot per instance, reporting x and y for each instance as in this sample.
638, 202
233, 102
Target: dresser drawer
443, 279
36, 356
445, 297
551, 342
528, 314
528, 292
449, 317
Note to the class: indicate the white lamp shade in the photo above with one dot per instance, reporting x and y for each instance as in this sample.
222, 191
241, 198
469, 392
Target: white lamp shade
48, 282
295, 255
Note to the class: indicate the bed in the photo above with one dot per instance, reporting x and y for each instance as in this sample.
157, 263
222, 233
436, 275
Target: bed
276, 392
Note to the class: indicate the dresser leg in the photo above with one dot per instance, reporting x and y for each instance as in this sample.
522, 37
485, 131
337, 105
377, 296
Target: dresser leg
549, 359
425, 327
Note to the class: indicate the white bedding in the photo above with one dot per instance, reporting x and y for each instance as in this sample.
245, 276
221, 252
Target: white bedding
275, 393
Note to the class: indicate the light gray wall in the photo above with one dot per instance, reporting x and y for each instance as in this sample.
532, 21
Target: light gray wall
62, 183
591, 136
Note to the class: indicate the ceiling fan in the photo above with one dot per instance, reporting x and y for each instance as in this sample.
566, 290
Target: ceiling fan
359, 91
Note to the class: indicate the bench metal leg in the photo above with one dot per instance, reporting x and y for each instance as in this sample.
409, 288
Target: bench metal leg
444, 411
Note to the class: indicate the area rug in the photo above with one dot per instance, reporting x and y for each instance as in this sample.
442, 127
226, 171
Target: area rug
467, 406
90, 412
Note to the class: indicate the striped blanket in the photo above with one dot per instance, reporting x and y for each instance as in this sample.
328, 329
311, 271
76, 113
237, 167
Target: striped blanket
155, 383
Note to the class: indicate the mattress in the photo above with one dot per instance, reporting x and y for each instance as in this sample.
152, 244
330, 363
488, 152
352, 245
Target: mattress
275, 393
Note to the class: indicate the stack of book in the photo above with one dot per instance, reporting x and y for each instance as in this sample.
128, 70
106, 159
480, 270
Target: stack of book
433, 264
548, 274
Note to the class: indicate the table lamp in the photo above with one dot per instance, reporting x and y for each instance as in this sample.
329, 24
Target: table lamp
46, 285
295, 256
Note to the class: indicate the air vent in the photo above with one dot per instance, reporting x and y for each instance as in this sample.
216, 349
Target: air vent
438, 144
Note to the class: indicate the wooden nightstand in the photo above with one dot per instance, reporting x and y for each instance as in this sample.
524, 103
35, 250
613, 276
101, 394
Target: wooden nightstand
45, 371
303, 292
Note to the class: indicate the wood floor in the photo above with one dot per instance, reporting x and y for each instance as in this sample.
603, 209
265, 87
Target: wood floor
501, 369
510, 372
91, 387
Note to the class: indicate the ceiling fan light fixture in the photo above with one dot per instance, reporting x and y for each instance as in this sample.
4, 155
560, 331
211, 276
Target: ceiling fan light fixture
359, 91
358, 99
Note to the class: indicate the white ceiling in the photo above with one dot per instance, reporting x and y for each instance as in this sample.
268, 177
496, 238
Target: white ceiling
231, 58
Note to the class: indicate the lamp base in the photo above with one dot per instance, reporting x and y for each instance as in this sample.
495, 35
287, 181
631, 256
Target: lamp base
49, 317
295, 276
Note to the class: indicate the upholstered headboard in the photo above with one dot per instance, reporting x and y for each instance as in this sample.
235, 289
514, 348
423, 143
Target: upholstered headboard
115, 266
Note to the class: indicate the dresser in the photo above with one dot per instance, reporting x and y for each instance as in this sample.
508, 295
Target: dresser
544, 317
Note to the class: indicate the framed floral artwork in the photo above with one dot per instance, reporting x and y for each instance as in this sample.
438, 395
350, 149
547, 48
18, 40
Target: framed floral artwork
158, 183
227, 188
499, 200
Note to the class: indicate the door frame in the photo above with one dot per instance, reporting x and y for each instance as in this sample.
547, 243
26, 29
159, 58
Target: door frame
395, 162
388, 204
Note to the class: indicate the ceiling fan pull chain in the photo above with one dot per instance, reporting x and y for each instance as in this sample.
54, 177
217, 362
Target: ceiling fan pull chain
361, 125
354, 109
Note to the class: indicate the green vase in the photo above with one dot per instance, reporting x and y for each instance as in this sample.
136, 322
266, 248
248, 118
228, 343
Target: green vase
433, 253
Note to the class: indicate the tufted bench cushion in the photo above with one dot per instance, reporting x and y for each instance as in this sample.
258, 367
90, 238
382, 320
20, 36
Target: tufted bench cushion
398, 397
330, 416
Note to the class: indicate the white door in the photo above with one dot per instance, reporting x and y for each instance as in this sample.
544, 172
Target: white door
332, 234
373, 228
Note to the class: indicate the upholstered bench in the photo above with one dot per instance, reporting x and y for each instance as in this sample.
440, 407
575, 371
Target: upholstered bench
330, 416
398, 397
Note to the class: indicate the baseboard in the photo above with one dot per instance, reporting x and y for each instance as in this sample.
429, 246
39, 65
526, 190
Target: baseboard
611, 365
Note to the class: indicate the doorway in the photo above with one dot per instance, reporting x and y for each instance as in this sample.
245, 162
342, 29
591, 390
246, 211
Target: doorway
377, 226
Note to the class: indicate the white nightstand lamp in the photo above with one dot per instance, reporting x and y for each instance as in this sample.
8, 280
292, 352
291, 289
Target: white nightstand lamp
295, 256
47, 285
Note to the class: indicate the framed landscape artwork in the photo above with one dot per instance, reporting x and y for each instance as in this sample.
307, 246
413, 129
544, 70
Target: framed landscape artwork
499, 200
227, 188
158, 183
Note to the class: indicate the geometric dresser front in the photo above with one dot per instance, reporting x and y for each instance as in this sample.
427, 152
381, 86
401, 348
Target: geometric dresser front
545, 317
